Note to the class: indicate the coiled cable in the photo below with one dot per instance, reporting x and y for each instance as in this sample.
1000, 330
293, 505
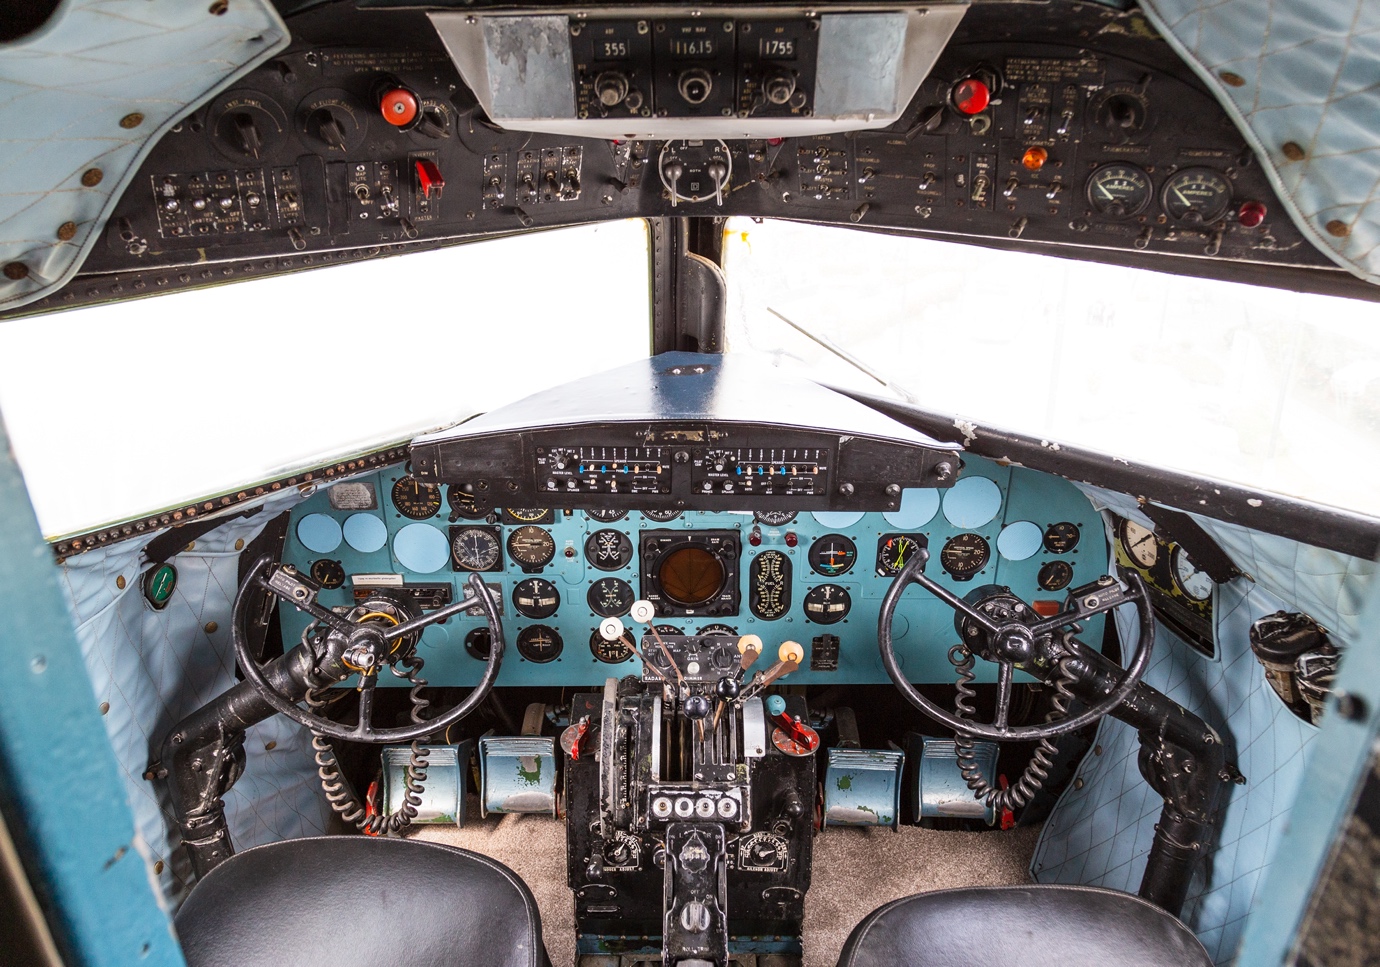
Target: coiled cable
1036, 772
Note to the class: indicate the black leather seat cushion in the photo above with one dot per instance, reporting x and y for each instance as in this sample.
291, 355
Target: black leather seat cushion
359, 901
1028, 926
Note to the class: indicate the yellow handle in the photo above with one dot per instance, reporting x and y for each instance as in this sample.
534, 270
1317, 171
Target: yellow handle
791, 651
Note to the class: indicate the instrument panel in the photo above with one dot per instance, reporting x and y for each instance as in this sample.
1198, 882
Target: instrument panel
814, 577
1067, 124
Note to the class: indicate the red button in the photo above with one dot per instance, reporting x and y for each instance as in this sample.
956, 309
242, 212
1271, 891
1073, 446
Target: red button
791, 539
971, 96
399, 107
755, 536
1252, 214
429, 176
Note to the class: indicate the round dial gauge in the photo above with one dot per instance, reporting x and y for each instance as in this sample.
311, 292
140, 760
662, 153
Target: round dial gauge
1119, 190
609, 550
894, 552
328, 574
536, 598
763, 852
610, 597
606, 516
1062, 537
827, 604
1139, 543
965, 555
718, 629
416, 500
463, 505
1192, 582
690, 576
539, 644
774, 518
610, 652
526, 515
532, 547
477, 644
1055, 575
476, 549
1197, 196
832, 555
662, 516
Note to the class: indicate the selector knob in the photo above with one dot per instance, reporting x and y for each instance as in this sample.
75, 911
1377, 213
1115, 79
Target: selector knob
696, 707
328, 128
695, 85
611, 87
247, 134
778, 87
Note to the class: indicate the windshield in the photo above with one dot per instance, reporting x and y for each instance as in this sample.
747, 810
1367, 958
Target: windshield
123, 409
1271, 389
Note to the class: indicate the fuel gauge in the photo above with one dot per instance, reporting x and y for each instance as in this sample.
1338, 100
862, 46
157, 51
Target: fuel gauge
1119, 190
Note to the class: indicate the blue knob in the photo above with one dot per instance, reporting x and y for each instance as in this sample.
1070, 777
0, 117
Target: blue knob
775, 705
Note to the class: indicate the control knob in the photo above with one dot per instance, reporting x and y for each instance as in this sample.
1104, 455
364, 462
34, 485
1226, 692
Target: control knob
328, 128
611, 88
695, 85
778, 87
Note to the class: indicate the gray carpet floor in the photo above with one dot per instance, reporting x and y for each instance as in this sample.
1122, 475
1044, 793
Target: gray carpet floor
855, 871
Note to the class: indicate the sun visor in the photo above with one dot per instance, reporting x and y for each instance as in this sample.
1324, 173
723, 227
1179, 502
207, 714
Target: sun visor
1299, 78
85, 98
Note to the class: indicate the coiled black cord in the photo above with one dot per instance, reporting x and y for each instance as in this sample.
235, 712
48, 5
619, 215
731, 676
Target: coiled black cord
1036, 772
342, 798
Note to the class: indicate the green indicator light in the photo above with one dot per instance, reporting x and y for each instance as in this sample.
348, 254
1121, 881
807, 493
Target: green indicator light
159, 584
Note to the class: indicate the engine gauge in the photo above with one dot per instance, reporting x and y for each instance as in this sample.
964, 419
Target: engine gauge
827, 604
1062, 537
610, 652
1054, 575
463, 505
416, 500
775, 518
606, 516
669, 630
662, 516
769, 585
536, 598
894, 551
328, 574
965, 555
1195, 584
528, 515
719, 630
476, 549
1119, 190
1139, 543
610, 597
532, 547
1196, 196
609, 550
539, 644
832, 555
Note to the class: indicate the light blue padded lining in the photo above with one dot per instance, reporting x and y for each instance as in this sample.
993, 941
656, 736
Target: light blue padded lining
1100, 834
1312, 77
63, 92
154, 668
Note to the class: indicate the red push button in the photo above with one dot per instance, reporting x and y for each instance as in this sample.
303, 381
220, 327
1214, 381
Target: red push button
399, 107
429, 177
971, 96
1252, 213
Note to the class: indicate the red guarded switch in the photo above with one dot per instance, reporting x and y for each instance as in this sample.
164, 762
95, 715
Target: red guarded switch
429, 177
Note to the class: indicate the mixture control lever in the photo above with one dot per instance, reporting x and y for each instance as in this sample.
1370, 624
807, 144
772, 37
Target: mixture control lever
789, 656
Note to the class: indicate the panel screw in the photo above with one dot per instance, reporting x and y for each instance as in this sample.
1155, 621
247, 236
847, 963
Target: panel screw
1232, 79
1338, 228
67, 231
16, 271
91, 177
1293, 151
132, 120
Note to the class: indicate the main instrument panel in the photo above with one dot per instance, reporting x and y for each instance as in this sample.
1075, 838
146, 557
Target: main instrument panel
814, 577
1068, 124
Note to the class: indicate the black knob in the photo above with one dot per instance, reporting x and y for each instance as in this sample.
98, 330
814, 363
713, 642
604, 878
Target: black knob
728, 689
247, 133
329, 129
696, 707
778, 87
695, 85
611, 88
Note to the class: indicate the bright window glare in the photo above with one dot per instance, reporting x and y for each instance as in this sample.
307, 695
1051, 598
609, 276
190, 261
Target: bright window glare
118, 410
1272, 389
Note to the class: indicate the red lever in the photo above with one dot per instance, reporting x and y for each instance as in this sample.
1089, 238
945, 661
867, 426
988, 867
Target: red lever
429, 177
573, 736
799, 733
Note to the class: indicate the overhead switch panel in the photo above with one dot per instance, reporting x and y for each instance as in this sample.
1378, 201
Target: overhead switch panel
738, 72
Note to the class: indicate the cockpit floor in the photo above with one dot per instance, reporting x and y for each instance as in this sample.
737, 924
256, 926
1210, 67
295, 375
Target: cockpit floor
855, 871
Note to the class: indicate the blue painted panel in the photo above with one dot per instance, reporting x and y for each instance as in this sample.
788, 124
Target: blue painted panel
924, 629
